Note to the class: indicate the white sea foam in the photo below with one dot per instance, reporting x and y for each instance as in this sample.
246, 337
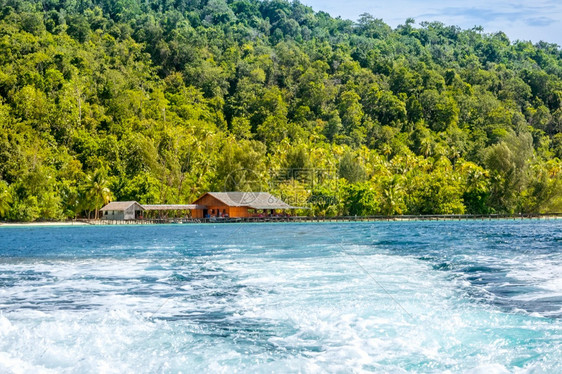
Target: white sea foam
345, 311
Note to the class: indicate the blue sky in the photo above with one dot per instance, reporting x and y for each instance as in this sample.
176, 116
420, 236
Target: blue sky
524, 20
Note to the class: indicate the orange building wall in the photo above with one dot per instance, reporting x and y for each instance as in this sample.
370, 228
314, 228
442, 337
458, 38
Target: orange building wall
214, 204
239, 212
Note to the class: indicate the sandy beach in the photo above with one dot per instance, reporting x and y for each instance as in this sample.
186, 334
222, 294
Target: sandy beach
34, 224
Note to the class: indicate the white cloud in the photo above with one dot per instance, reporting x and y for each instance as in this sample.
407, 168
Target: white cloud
524, 20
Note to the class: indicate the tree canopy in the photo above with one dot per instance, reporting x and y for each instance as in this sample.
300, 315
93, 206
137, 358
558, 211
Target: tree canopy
160, 101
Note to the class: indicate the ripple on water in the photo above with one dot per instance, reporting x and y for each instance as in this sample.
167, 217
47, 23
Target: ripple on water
389, 297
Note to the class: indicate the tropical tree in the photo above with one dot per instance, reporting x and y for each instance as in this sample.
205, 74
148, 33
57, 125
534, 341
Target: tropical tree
5, 198
392, 196
351, 169
361, 199
176, 98
97, 192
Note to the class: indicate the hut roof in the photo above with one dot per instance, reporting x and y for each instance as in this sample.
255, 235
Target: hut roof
120, 205
254, 200
172, 206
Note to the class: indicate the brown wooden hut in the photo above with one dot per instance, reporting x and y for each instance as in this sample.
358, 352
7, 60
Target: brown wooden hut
238, 204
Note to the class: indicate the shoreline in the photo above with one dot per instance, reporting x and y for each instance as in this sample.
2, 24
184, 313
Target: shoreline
351, 219
43, 224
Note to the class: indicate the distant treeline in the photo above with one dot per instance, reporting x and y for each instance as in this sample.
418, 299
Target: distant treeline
161, 101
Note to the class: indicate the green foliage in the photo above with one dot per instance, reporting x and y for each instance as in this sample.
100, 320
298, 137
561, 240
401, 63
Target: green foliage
508, 161
162, 101
392, 196
241, 166
96, 190
360, 199
350, 169
325, 201
143, 188
5, 199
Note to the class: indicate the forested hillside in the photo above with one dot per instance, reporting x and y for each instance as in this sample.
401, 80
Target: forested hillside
161, 101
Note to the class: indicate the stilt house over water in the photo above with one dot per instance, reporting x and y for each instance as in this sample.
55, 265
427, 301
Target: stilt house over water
238, 204
211, 204
122, 210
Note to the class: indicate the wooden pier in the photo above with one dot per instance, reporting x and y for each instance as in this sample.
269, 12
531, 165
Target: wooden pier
435, 217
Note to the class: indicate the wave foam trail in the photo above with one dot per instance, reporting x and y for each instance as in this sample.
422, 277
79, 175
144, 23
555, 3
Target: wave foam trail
262, 304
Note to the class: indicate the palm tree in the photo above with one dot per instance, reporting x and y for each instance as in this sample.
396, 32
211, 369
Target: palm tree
97, 190
386, 149
426, 147
391, 193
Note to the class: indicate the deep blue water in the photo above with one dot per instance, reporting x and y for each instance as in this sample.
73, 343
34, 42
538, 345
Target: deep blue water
472, 296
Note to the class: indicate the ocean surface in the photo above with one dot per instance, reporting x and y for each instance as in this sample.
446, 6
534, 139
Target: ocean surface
474, 297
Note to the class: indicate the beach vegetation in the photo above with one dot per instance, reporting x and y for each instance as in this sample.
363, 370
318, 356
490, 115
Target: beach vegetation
160, 102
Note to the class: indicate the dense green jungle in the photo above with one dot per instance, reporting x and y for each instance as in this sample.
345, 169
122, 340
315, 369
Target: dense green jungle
162, 101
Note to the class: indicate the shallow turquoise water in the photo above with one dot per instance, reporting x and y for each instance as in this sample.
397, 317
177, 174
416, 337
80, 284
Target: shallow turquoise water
391, 297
